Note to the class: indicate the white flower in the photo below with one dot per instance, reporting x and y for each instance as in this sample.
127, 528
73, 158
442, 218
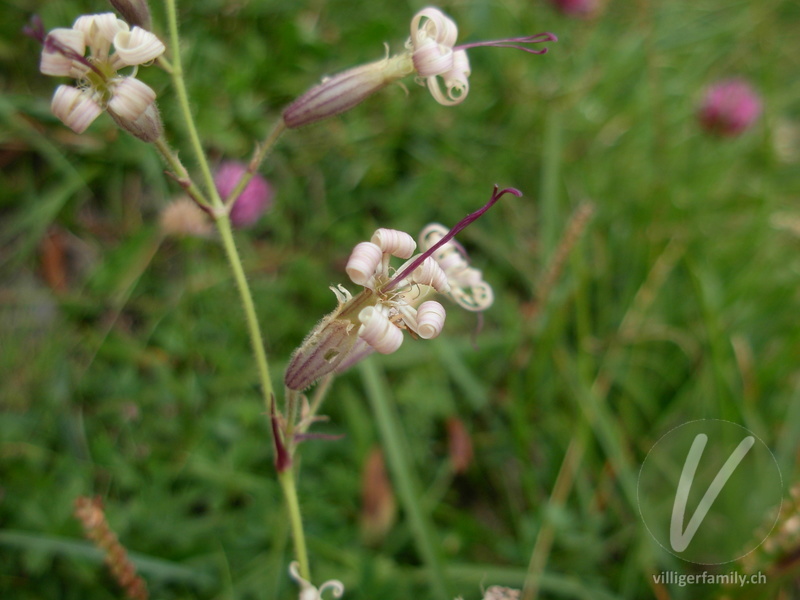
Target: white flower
100, 86
373, 320
433, 36
392, 300
430, 52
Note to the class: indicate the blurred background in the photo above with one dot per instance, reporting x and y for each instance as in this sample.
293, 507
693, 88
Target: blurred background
648, 277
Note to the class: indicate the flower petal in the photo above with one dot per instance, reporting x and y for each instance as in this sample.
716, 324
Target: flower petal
363, 263
430, 273
100, 31
137, 47
75, 108
53, 60
430, 319
437, 26
131, 98
378, 331
394, 242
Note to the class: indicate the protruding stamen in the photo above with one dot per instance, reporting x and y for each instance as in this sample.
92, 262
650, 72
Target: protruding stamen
54, 45
516, 43
460, 226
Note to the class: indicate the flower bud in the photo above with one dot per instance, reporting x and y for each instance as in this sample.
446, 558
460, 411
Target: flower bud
321, 352
135, 12
342, 92
255, 199
147, 127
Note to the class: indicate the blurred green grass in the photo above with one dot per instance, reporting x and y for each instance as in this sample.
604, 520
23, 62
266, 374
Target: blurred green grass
135, 383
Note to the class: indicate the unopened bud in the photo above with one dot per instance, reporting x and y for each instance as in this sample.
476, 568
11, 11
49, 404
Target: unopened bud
342, 92
135, 12
147, 127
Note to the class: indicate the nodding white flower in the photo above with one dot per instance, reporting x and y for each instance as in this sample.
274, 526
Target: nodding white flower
308, 591
433, 36
392, 300
373, 320
100, 85
430, 52
437, 60
467, 287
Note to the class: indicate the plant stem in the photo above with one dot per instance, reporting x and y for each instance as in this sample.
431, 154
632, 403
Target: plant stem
256, 341
221, 216
183, 102
180, 174
287, 481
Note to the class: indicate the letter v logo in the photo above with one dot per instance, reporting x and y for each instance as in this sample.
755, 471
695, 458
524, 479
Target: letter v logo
678, 539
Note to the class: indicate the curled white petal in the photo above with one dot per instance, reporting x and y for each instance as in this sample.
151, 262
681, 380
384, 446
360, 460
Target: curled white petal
378, 331
394, 242
54, 62
431, 234
431, 59
430, 319
131, 98
457, 91
75, 108
436, 26
336, 587
476, 297
100, 31
137, 46
467, 287
430, 273
363, 262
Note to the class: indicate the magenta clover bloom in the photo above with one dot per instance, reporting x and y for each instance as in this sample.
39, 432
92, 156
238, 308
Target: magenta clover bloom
729, 108
255, 199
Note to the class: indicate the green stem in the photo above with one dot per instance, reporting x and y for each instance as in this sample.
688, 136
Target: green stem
287, 481
226, 234
179, 172
221, 215
183, 102
396, 453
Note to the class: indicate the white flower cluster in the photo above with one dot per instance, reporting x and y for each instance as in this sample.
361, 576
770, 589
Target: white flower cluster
100, 85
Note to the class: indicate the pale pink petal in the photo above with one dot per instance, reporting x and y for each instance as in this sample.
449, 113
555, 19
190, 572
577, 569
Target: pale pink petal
131, 98
137, 47
394, 242
430, 319
363, 262
53, 61
378, 331
75, 108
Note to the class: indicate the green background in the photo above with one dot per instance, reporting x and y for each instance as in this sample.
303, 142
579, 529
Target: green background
677, 301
